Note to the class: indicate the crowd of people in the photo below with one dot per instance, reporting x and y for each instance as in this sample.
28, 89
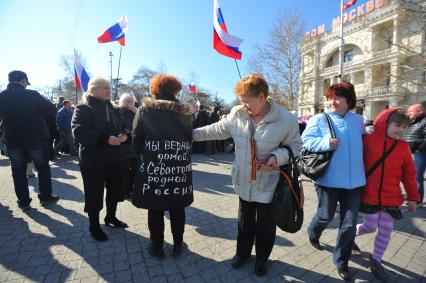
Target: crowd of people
144, 154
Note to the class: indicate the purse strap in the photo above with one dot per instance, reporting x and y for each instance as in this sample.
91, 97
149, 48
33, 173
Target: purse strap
290, 184
330, 125
253, 159
294, 172
381, 159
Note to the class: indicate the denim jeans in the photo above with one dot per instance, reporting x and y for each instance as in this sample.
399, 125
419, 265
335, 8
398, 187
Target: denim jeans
18, 154
349, 201
420, 161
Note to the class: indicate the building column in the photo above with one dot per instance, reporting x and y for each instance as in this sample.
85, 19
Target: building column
395, 37
368, 88
367, 110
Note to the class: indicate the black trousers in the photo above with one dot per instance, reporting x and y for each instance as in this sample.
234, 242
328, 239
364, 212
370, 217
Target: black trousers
156, 225
255, 223
95, 180
129, 171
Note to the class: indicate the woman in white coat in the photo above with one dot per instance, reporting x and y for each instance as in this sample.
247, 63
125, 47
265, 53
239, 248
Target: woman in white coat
261, 120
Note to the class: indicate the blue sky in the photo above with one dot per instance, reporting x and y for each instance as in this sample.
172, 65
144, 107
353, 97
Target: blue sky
177, 34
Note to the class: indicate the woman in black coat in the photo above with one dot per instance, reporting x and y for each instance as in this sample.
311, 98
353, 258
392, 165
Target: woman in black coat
162, 135
128, 109
99, 130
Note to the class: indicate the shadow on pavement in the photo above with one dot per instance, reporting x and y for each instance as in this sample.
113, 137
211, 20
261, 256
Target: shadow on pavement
63, 190
211, 225
406, 225
4, 162
66, 162
103, 257
24, 253
224, 188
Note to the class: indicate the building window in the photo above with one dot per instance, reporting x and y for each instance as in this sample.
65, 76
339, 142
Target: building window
348, 55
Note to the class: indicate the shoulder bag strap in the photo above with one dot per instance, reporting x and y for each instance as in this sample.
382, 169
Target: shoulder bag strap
377, 163
253, 150
330, 125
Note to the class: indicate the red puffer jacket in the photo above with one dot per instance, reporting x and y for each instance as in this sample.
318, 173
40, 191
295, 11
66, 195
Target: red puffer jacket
383, 187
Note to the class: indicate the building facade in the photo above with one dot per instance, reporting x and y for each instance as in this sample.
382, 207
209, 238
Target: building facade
384, 57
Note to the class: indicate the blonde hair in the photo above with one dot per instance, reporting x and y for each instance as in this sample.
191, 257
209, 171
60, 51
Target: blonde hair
94, 83
124, 97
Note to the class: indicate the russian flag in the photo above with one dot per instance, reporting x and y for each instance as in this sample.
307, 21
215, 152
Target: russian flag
223, 42
192, 88
115, 33
348, 4
80, 75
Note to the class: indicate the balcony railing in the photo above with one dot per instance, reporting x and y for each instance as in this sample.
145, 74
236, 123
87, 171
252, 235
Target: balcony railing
335, 68
379, 91
381, 54
359, 90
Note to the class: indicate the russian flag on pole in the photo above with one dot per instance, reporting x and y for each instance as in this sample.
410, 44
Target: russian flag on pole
115, 33
80, 75
223, 42
348, 4
192, 88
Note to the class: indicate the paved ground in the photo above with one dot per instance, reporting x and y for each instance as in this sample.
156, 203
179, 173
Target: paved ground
54, 245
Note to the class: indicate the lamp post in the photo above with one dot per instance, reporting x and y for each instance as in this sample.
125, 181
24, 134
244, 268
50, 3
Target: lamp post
110, 62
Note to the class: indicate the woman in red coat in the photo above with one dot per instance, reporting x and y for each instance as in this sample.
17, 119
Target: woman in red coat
382, 195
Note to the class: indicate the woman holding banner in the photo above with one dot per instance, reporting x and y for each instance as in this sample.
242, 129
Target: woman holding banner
162, 136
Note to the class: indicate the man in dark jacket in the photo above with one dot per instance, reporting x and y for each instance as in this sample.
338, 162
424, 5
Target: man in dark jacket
416, 138
213, 118
200, 120
24, 115
63, 122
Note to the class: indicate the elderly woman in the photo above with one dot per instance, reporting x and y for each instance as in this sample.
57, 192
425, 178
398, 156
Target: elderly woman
260, 120
99, 130
128, 109
345, 177
162, 135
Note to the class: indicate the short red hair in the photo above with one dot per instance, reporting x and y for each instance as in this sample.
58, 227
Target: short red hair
164, 86
345, 90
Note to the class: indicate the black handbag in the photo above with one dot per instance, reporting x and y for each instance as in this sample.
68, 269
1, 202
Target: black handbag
314, 164
287, 202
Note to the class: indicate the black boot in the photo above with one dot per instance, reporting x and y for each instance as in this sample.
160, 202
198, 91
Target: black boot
260, 268
95, 227
177, 244
155, 248
110, 219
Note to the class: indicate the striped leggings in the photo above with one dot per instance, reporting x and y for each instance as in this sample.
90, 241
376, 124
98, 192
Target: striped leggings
384, 222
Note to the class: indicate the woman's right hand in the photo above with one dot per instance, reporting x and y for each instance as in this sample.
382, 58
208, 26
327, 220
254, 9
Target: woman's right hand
114, 141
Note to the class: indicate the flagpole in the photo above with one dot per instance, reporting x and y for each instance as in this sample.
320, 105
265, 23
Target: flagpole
76, 97
237, 68
110, 65
118, 73
340, 72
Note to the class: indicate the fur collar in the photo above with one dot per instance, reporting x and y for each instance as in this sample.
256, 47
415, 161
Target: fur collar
174, 106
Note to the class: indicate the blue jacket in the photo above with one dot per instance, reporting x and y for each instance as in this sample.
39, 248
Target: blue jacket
346, 168
63, 120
